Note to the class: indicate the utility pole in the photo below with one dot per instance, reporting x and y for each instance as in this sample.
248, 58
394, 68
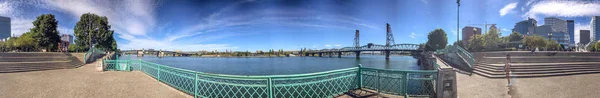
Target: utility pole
457, 19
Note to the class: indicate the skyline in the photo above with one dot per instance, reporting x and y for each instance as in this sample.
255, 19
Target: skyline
289, 25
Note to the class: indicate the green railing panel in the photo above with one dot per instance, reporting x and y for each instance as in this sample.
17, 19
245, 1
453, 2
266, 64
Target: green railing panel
311, 85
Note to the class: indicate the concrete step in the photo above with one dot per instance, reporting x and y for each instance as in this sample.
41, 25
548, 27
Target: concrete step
478, 72
34, 54
542, 60
542, 53
32, 59
536, 71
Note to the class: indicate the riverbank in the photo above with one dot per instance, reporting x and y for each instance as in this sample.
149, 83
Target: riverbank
83, 82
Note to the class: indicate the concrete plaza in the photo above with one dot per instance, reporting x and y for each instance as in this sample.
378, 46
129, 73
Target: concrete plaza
84, 82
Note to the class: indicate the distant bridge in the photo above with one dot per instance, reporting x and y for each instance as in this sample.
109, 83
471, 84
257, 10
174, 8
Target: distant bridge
390, 46
158, 53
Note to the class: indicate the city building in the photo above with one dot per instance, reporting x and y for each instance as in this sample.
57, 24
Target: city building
595, 25
584, 37
67, 38
525, 27
560, 30
571, 27
467, 32
4, 28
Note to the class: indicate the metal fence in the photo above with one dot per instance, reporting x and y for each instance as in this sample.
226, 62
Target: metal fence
312, 85
91, 53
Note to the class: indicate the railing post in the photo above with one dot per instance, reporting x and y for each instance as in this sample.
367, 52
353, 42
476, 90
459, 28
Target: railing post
158, 75
405, 84
359, 76
378, 80
196, 85
270, 84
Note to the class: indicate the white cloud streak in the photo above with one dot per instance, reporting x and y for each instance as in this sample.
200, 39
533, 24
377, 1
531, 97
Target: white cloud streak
508, 8
412, 35
563, 9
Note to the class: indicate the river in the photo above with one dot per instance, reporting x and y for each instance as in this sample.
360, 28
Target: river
280, 65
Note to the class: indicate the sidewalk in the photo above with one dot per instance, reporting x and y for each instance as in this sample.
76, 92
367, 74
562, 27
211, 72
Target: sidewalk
83, 82
574, 86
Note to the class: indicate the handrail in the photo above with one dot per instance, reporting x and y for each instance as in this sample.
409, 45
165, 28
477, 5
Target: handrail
329, 83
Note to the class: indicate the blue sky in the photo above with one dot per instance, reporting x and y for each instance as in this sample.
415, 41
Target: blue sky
290, 25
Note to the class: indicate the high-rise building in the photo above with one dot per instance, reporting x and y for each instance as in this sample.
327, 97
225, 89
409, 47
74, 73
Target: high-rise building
555, 29
571, 27
525, 27
67, 38
595, 23
584, 36
4, 28
467, 32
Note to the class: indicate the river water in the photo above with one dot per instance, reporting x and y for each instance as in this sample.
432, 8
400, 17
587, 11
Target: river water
280, 65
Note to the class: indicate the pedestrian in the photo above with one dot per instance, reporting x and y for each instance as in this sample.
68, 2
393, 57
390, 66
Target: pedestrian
533, 51
507, 68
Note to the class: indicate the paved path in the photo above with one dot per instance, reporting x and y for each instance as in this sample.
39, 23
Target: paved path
574, 86
83, 82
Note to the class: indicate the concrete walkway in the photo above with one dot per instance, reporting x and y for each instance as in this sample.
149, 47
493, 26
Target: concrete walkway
574, 86
84, 82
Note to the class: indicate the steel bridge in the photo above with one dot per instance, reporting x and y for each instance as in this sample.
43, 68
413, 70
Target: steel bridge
158, 53
387, 48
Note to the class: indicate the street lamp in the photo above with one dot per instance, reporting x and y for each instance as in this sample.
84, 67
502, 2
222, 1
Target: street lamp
457, 19
475, 39
550, 36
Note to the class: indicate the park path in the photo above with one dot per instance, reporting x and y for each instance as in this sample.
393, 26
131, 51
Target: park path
83, 82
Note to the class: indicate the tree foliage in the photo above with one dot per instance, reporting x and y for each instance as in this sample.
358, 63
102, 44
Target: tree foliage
597, 46
552, 45
534, 41
515, 36
476, 43
44, 32
492, 39
26, 42
437, 39
92, 29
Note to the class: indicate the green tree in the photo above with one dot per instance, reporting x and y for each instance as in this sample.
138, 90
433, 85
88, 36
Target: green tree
92, 29
534, 41
597, 46
552, 45
476, 43
515, 36
436, 39
492, 39
459, 43
45, 33
26, 42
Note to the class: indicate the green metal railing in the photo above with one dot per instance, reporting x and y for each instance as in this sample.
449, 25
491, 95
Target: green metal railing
310, 85
90, 53
467, 55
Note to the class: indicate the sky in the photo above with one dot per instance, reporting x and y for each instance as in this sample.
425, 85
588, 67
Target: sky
252, 25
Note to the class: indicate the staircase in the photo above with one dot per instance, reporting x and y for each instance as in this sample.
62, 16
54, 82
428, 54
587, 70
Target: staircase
542, 64
23, 62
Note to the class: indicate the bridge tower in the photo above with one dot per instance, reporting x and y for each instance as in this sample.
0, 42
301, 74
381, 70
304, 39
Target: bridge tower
389, 40
356, 44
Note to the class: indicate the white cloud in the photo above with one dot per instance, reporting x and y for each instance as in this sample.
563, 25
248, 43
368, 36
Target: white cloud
578, 27
563, 9
338, 45
529, 2
412, 35
327, 45
508, 8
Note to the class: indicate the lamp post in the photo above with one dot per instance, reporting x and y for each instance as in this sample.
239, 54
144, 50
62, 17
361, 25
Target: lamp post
475, 38
457, 19
550, 36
